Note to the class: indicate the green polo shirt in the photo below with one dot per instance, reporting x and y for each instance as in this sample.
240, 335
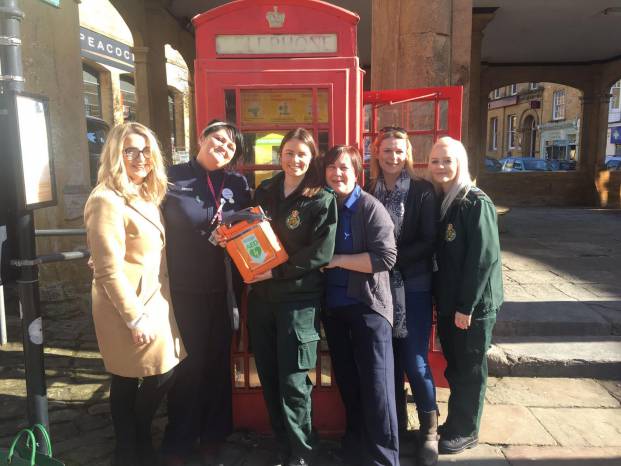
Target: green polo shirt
306, 226
469, 275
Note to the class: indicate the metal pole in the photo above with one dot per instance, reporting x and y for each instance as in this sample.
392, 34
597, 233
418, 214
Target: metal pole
62, 232
12, 80
3, 334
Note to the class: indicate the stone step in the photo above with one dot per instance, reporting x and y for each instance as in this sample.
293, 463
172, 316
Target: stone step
559, 318
567, 356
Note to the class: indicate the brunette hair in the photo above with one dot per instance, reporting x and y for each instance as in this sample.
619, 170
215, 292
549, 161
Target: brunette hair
233, 132
389, 132
112, 172
336, 152
313, 179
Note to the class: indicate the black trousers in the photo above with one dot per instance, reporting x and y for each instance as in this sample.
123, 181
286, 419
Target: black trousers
133, 403
200, 400
360, 342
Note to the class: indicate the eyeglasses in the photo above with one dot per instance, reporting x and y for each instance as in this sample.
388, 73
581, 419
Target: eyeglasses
132, 153
387, 129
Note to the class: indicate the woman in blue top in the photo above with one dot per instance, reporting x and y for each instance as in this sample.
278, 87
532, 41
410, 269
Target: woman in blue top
413, 208
358, 317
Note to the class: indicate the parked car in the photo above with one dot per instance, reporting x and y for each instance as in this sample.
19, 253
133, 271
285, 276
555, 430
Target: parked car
492, 164
524, 164
561, 165
96, 133
614, 164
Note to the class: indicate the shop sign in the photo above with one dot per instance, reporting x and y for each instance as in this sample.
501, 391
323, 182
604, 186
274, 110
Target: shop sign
272, 44
105, 50
282, 107
504, 102
615, 135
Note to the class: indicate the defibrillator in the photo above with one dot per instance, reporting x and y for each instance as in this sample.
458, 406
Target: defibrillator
251, 242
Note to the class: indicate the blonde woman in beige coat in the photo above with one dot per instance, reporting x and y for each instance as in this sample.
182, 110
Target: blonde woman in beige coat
136, 330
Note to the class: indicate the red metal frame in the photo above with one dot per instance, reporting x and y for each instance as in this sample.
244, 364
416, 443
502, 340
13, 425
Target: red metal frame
453, 96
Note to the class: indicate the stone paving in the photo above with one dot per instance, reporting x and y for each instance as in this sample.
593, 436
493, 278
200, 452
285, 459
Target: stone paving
527, 420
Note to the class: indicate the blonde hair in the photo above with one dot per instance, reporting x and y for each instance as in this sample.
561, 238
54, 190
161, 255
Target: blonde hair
463, 181
389, 133
112, 172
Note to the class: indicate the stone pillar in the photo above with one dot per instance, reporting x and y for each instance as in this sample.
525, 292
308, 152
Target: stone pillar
106, 90
593, 134
141, 82
118, 116
420, 43
152, 92
476, 137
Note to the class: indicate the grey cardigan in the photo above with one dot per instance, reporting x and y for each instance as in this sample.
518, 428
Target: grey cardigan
372, 232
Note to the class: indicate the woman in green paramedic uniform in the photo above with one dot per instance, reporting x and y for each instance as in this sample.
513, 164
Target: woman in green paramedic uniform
467, 288
283, 303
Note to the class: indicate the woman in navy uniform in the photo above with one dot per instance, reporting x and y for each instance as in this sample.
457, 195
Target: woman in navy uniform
412, 205
358, 316
467, 288
200, 401
283, 302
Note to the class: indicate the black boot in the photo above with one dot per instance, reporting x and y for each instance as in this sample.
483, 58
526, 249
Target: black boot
428, 438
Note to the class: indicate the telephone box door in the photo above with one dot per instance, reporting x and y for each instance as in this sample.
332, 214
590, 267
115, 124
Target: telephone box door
426, 114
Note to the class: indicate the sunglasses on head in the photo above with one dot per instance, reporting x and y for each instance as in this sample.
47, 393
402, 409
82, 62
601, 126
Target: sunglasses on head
387, 129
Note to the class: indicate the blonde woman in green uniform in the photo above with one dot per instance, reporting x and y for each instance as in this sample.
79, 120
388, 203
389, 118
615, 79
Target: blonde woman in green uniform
467, 288
283, 303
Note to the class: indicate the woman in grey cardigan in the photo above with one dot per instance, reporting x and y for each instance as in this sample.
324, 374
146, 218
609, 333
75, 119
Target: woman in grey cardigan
358, 315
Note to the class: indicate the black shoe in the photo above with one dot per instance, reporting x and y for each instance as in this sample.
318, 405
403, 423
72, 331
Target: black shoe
297, 461
456, 444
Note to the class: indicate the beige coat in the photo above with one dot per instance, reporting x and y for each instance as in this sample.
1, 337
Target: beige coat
127, 243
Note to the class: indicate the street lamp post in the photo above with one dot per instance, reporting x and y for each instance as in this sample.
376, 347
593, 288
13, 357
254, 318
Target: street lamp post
11, 83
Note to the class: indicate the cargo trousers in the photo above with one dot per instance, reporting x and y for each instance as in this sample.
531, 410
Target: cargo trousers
466, 371
284, 338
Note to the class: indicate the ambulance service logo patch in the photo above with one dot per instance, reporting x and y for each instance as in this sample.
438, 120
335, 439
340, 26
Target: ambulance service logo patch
293, 220
451, 234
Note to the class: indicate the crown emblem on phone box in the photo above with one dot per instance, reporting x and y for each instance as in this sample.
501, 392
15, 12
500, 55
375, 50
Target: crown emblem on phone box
275, 18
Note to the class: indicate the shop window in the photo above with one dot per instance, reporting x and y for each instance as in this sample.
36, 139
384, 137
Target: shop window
92, 92
615, 102
493, 133
533, 86
128, 98
513, 89
511, 131
173, 122
558, 105
497, 93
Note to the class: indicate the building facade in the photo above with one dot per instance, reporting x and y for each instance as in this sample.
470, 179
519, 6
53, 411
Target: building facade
613, 146
534, 119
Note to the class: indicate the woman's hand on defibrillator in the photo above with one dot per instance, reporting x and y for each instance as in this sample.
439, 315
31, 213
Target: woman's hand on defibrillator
217, 238
259, 278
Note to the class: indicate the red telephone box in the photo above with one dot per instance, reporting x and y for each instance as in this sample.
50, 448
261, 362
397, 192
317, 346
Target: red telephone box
271, 66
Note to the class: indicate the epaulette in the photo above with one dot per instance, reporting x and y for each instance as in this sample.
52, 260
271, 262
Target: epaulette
478, 192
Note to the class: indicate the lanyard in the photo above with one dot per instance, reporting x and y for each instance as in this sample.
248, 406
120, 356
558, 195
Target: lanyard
217, 198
